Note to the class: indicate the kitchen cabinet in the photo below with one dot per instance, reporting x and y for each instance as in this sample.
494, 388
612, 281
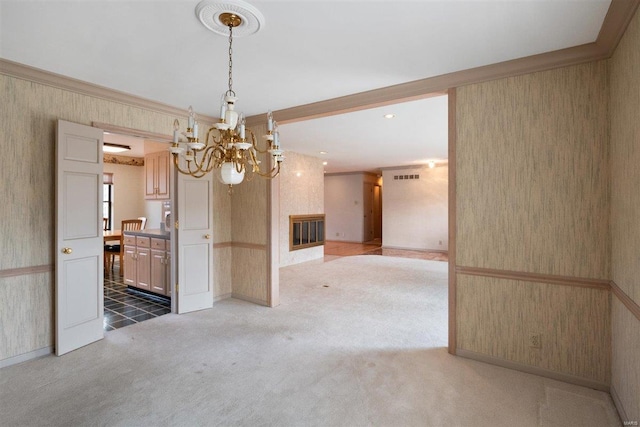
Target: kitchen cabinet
159, 267
156, 169
146, 261
137, 257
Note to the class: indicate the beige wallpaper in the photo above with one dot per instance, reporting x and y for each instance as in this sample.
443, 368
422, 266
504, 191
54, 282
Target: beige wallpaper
28, 115
625, 161
532, 173
26, 314
625, 375
624, 101
496, 316
249, 222
249, 205
222, 272
533, 196
249, 273
301, 193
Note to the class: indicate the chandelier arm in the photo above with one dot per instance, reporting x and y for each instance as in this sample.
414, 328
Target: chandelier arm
275, 171
255, 140
188, 171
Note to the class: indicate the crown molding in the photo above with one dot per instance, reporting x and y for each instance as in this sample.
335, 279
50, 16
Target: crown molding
36, 75
615, 24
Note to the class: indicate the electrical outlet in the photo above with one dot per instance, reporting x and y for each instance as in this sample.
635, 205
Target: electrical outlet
337, 234
440, 242
535, 340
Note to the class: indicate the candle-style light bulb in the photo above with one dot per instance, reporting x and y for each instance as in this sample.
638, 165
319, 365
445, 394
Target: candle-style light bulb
192, 117
269, 120
176, 131
241, 130
223, 108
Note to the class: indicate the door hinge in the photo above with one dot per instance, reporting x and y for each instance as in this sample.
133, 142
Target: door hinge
176, 225
176, 288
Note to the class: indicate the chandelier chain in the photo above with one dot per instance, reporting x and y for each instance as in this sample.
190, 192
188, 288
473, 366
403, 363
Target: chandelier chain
231, 61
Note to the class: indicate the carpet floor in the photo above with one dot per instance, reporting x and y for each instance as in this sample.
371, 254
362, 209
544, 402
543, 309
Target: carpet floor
357, 341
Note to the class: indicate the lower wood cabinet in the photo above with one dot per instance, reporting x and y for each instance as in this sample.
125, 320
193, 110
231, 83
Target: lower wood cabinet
146, 264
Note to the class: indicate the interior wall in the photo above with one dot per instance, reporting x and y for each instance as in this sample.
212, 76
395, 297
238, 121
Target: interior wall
29, 112
128, 193
415, 211
532, 195
624, 101
302, 193
343, 207
250, 269
222, 251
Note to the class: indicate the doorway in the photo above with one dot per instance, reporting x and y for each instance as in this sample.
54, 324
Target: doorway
137, 187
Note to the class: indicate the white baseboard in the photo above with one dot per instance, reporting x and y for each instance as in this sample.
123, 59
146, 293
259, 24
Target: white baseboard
547, 373
25, 357
442, 251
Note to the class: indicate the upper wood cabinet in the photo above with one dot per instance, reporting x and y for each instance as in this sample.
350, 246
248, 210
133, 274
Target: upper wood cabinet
156, 169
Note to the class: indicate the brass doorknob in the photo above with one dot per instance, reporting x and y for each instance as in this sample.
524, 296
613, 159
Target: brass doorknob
67, 251
207, 236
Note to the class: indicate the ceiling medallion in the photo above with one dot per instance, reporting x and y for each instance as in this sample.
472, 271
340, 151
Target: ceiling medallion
229, 147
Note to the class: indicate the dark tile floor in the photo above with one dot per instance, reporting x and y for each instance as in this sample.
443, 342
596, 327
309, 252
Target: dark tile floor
125, 306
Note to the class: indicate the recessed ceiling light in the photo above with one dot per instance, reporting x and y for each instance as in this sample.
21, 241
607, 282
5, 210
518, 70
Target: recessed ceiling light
324, 163
389, 116
109, 147
324, 152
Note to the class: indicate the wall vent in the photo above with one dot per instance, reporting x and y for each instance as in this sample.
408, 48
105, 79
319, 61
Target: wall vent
403, 177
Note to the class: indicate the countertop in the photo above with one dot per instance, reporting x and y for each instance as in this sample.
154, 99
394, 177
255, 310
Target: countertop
158, 234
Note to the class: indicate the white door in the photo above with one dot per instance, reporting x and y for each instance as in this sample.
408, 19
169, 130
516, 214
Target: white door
194, 243
79, 240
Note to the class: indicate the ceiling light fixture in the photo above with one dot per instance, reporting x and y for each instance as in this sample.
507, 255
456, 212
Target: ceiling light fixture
229, 147
324, 163
431, 164
389, 116
109, 147
323, 152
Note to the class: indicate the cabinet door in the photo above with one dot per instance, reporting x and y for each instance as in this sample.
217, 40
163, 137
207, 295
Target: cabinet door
167, 272
144, 268
162, 175
158, 271
130, 265
150, 167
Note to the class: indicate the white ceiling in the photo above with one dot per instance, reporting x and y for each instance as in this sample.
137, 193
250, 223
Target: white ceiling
309, 51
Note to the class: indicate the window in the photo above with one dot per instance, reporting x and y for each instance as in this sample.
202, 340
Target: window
305, 231
107, 200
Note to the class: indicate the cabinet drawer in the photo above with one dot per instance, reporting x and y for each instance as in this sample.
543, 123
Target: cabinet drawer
129, 240
157, 244
143, 242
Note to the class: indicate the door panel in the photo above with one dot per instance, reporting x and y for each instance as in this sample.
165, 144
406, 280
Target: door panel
194, 243
79, 243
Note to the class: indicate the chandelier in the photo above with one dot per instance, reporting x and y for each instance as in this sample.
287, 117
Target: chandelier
230, 148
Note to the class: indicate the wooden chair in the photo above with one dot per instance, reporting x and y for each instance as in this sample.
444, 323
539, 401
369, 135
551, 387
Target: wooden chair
110, 251
144, 222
